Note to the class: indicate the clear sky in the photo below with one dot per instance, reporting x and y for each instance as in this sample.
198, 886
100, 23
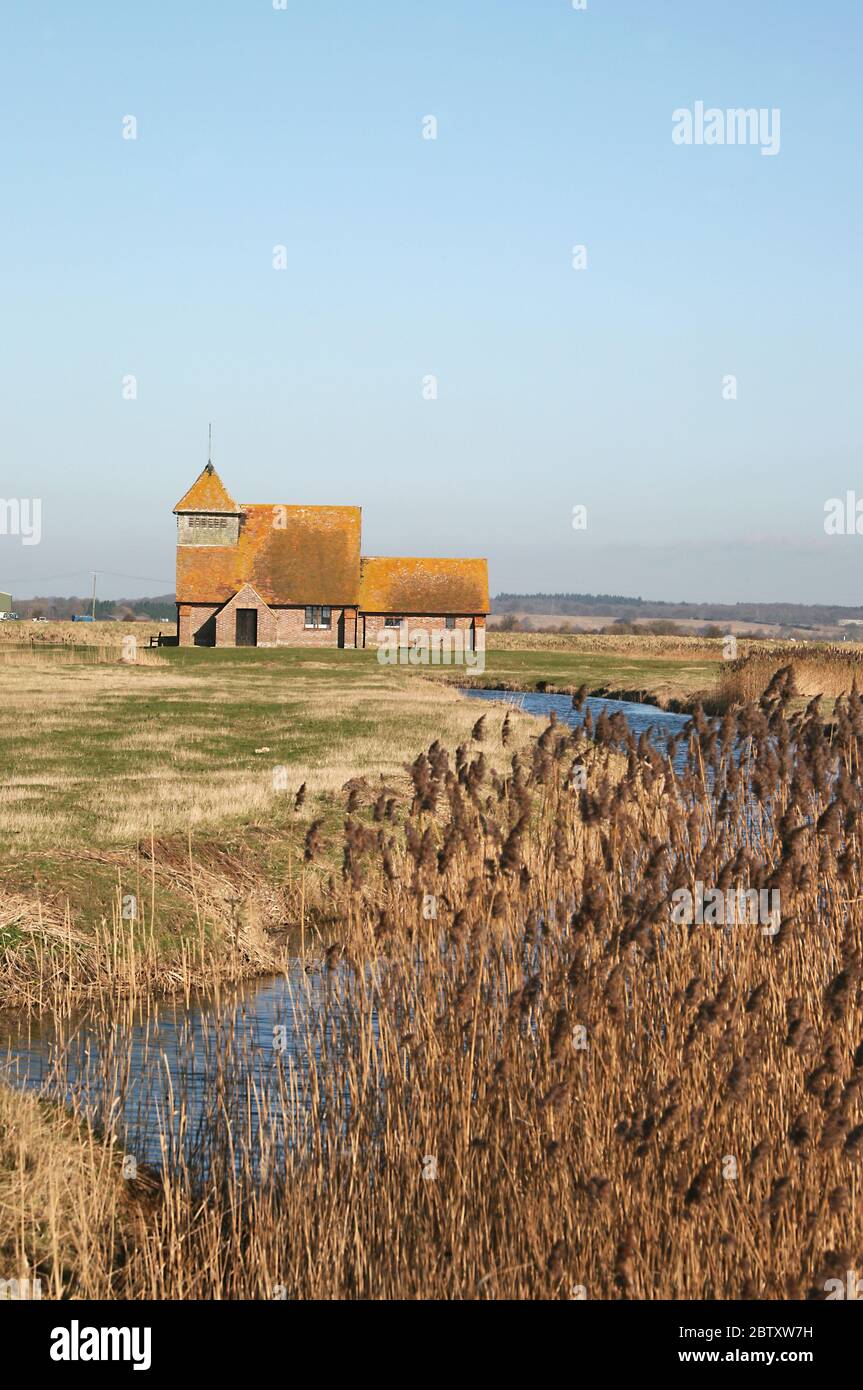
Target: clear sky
407, 257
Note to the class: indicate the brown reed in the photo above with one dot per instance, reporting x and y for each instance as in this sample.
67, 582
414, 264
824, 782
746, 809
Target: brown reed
515, 1075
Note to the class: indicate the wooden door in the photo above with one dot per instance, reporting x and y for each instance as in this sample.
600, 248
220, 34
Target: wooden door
247, 627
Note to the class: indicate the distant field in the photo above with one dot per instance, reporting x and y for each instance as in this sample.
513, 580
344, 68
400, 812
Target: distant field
623, 644
662, 676
673, 671
550, 622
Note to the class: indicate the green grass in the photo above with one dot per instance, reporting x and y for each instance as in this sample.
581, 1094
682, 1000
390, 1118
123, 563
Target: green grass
80, 740
96, 758
525, 669
661, 678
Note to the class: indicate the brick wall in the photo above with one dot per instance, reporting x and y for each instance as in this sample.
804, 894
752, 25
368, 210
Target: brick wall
214, 625
226, 623
292, 631
195, 621
371, 624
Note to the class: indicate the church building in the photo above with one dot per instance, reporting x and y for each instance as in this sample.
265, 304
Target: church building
253, 574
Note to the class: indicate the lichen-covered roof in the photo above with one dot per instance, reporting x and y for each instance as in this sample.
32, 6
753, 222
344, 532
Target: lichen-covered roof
291, 555
413, 585
207, 494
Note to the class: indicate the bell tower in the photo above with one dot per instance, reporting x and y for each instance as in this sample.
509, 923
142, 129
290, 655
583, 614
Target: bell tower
207, 514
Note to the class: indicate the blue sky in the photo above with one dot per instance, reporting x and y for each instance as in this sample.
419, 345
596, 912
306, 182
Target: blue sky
407, 257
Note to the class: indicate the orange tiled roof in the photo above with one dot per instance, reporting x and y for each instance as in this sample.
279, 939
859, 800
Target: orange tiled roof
412, 585
207, 494
291, 555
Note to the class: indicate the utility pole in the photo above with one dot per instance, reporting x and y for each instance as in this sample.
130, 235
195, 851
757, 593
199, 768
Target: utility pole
94, 596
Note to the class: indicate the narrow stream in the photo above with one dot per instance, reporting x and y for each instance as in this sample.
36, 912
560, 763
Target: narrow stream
658, 724
148, 1073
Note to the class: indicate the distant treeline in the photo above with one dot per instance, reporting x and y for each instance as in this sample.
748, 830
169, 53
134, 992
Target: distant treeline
627, 609
52, 606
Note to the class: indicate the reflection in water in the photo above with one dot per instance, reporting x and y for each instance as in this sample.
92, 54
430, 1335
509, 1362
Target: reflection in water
167, 1079
179, 1083
659, 725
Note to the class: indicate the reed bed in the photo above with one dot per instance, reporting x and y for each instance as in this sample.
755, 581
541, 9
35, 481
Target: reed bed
512, 1073
42, 656
26, 636
818, 670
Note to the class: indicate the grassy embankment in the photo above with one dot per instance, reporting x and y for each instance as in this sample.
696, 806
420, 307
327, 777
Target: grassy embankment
673, 672
667, 671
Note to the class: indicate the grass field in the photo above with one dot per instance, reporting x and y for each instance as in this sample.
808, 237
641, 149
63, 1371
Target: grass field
174, 778
164, 780
640, 668
97, 753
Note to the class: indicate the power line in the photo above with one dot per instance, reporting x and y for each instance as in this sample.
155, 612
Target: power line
78, 574
49, 578
143, 578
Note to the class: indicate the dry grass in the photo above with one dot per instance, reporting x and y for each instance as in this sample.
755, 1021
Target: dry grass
548, 1085
64, 1207
594, 642
160, 782
105, 753
234, 924
39, 658
818, 670
26, 635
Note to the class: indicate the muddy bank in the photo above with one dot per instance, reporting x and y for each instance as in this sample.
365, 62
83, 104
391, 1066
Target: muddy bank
707, 699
